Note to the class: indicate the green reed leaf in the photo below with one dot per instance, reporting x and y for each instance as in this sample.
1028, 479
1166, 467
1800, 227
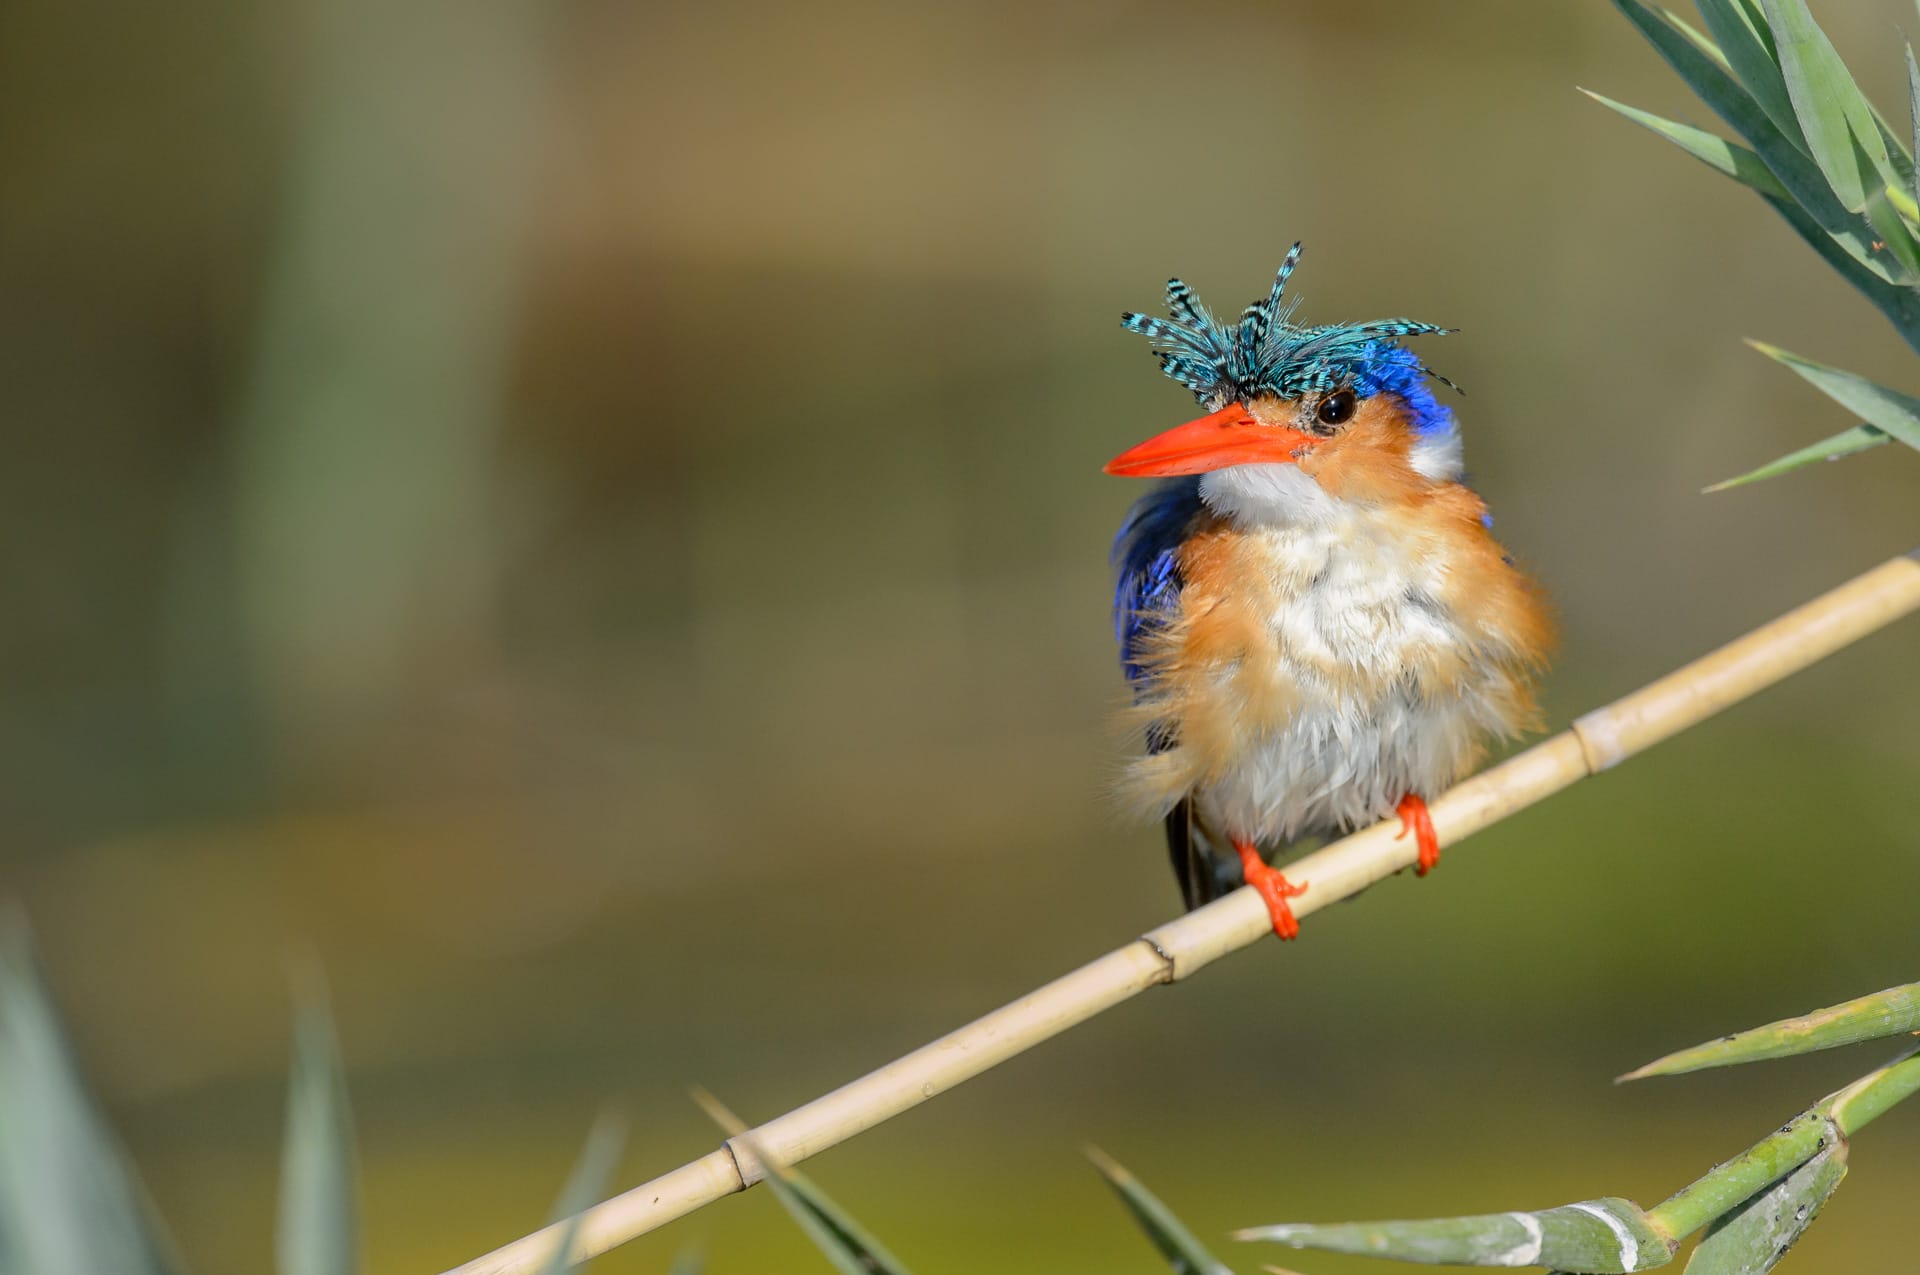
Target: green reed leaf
1895, 413
1885, 1013
1598, 1236
1183, 1251
1747, 44
1754, 1239
68, 1199
1835, 117
1730, 1184
319, 1226
1843, 444
586, 1184
1694, 36
1716, 153
1901, 305
1802, 178
847, 1244
1913, 117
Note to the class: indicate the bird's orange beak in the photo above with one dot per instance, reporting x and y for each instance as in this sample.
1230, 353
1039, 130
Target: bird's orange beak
1231, 436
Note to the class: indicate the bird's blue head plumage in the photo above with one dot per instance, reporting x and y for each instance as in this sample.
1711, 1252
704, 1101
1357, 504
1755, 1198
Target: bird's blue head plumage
1264, 354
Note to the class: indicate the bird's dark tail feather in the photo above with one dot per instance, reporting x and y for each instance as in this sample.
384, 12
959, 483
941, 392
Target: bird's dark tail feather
1205, 867
1205, 862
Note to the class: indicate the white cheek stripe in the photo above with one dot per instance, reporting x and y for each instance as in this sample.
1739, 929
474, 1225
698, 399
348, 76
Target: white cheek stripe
1439, 456
1629, 1246
1523, 1254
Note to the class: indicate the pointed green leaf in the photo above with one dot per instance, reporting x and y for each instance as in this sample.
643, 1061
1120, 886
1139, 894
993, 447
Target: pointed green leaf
1845, 443
1598, 1236
1750, 9
585, 1184
1899, 304
1695, 37
1804, 180
68, 1199
1892, 411
1894, 144
1748, 47
1753, 1240
1835, 1118
319, 1230
1835, 118
848, 1245
1185, 1253
1913, 116
1722, 156
1886, 1013
1882, 407
1753, 57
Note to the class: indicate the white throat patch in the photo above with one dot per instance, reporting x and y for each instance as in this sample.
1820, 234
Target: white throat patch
1277, 495
1256, 495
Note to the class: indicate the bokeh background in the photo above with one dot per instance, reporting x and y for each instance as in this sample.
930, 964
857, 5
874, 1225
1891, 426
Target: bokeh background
588, 517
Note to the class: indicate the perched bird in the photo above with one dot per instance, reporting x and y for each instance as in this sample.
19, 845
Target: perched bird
1319, 627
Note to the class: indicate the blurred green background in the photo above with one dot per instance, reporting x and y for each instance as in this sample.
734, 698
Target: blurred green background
589, 517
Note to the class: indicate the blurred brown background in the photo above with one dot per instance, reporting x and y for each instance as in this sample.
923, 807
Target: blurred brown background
588, 516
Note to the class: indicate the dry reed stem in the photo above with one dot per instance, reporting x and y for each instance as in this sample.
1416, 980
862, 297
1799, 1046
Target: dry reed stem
1173, 951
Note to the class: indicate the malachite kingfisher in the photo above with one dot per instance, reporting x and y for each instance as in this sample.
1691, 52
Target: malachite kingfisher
1318, 625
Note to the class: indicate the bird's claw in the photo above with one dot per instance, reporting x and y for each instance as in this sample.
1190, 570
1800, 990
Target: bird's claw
1414, 818
1273, 887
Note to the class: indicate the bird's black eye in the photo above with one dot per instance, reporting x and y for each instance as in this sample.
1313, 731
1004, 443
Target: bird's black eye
1336, 408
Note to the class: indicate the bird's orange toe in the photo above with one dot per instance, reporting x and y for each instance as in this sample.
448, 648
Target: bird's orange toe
1414, 818
1273, 887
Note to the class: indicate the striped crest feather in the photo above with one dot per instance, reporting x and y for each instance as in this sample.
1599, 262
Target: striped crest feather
1263, 352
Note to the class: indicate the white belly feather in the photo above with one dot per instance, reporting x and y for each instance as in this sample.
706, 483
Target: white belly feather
1338, 767
1358, 627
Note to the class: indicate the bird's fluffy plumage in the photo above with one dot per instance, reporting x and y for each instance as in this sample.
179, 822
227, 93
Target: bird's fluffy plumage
1309, 642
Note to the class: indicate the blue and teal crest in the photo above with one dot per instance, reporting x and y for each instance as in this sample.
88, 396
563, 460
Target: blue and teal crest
1263, 353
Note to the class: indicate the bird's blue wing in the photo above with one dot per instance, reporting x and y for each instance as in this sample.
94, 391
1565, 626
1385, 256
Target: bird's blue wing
1145, 558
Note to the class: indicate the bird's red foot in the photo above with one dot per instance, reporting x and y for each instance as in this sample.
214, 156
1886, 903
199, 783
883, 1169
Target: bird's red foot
1415, 819
1273, 886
